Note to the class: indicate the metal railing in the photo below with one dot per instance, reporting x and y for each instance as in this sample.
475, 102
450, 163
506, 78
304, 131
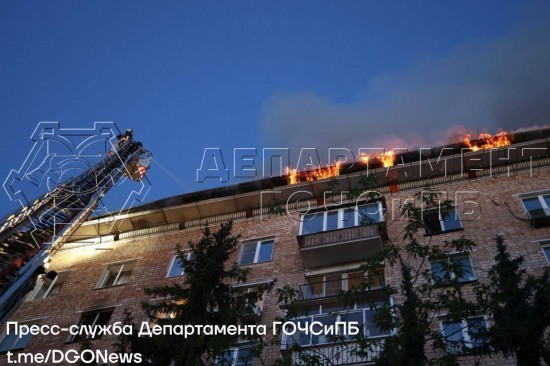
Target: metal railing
337, 354
332, 288
342, 235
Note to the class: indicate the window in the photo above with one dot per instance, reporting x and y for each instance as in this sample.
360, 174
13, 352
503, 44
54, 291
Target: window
332, 284
91, 320
465, 335
435, 222
545, 245
362, 314
176, 266
117, 274
13, 342
538, 209
537, 204
256, 251
453, 268
241, 291
342, 218
236, 357
166, 313
48, 285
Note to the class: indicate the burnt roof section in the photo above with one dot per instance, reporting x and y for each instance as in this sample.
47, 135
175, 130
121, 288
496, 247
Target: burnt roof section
273, 182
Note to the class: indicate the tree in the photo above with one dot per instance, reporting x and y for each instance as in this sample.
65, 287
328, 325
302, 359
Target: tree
409, 311
85, 345
520, 308
125, 340
423, 295
208, 294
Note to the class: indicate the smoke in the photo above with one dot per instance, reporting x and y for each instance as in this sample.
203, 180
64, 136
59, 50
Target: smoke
481, 86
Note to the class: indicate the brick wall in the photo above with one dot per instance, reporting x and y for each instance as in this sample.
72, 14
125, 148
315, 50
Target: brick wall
153, 254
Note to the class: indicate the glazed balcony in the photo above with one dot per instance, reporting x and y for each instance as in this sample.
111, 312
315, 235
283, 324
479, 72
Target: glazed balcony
329, 287
348, 353
341, 246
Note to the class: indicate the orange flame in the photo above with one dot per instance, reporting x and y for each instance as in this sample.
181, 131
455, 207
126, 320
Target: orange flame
387, 159
329, 171
487, 141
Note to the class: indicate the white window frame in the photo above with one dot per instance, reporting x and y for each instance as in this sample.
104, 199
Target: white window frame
246, 289
173, 262
235, 355
541, 201
545, 244
339, 318
40, 282
344, 281
258, 243
105, 275
18, 343
453, 275
452, 211
465, 330
97, 312
341, 217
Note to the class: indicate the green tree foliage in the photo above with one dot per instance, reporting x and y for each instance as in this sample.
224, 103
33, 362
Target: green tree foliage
420, 297
125, 341
520, 308
208, 294
409, 312
85, 344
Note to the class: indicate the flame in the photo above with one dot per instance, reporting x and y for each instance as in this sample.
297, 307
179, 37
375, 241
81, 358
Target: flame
387, 159
487, 141
294, 176
141, 170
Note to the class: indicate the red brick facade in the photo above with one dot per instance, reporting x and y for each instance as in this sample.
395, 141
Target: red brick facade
499, 212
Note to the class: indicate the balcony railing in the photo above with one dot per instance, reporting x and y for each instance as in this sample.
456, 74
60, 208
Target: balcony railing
337, 354
341, 246
341, 235
324, 289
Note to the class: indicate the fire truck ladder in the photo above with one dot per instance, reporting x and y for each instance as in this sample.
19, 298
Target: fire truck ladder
30, 235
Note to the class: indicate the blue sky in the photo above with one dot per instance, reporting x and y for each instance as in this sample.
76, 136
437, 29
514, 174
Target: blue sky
191, 75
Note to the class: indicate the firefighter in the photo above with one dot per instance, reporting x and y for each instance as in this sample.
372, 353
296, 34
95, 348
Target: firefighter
127, 135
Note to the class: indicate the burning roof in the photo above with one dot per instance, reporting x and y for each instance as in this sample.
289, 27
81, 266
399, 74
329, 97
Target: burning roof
194, 208
310, 175
487, 141
388, 159
271, 183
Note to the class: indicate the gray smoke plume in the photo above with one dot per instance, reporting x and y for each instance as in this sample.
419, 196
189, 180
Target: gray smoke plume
480, 86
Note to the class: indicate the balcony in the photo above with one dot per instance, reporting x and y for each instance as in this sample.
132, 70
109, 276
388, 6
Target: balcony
335, 247
332, 286
337, 354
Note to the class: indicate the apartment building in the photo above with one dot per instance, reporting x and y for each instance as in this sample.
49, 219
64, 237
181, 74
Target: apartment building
317, 247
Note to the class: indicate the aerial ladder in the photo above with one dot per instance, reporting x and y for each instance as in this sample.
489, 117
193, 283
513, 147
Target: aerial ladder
31, 235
